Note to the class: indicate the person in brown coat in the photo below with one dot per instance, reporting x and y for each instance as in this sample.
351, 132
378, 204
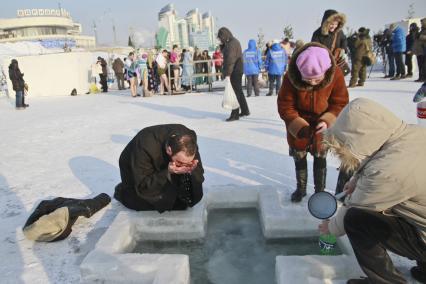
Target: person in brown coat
311, 97
363, 45
118, 67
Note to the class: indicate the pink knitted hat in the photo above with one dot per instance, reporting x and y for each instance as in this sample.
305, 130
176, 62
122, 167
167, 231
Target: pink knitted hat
313, 62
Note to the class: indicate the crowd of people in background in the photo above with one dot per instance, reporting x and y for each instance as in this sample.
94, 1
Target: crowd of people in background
395, 44
177, 71
161, 72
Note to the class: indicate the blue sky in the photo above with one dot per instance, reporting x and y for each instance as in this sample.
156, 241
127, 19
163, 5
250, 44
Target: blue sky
243, 18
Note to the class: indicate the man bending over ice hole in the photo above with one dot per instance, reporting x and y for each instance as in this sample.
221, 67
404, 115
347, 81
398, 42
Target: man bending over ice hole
161, 170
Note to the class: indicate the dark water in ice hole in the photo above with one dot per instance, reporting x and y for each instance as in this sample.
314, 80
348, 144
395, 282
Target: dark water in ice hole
234, 250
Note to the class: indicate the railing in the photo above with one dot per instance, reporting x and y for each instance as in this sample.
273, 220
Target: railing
209, 74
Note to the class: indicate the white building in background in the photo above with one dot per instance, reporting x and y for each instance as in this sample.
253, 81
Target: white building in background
183, 33
194, 21
167, 18
51, 27
200, 39
209, 25
194, 29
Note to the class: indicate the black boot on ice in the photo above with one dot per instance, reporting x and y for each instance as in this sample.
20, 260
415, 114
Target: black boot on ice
300, 192
320, 173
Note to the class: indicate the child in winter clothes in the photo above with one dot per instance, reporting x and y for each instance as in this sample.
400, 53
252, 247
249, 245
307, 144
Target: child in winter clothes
311, 97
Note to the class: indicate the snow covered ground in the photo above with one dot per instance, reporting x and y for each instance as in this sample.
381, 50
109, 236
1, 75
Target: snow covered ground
69, 146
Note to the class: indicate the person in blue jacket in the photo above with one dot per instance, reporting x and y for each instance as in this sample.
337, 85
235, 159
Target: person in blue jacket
252, 58
399, 48
275, 63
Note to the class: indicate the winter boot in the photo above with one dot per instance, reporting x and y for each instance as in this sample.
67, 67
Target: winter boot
320, 173
301, 177
235, 115
352, 83
246, 113
118, 192
300, 192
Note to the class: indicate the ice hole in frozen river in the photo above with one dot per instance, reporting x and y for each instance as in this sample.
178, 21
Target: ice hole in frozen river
234, 249
250, 233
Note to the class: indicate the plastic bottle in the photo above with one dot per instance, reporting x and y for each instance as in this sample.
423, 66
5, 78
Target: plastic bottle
420, 99
327, 244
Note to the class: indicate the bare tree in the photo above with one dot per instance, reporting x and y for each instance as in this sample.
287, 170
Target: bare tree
411, 11
288, 32
260, 39
129, 42
349, 31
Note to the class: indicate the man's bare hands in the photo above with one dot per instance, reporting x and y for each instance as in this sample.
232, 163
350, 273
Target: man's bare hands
179, 169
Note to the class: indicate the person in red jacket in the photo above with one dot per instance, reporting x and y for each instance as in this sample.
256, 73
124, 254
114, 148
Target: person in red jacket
311, 97
218, 62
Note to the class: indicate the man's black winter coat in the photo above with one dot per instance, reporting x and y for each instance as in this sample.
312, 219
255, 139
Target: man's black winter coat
144, 172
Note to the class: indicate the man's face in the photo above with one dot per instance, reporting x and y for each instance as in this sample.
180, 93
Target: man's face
181, 159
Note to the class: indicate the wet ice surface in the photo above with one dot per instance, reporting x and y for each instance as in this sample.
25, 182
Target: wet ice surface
234, 250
